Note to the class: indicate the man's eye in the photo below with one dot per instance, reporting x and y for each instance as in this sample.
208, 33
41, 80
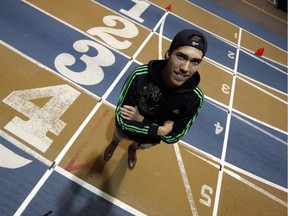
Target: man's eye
196, 62
181, 57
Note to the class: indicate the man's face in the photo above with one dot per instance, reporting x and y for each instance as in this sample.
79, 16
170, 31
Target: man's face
183, 62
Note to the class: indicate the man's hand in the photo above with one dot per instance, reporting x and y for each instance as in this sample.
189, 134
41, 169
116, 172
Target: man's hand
166, 128
131, 113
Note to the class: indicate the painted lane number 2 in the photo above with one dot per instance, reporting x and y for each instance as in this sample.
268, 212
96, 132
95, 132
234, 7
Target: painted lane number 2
93, 72
107, 33
41, 119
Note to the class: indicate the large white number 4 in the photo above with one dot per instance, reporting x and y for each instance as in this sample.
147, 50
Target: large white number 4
41, 118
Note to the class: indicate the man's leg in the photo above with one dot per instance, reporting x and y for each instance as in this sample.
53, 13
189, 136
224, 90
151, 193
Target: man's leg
117, 137
132, 157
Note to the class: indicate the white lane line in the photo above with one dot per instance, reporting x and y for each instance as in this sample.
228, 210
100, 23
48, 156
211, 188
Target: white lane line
211, 158
83, 125
263, 90
227, 128
260, 129
56, 162
24, 148
67, 175
227, 21
252, 55
243, 180
98, 192
161, 37
74, 28
255, 187
185, 180
237, 114
11, 160
33, 192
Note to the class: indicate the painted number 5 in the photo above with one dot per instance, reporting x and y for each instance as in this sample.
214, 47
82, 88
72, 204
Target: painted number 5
206, 197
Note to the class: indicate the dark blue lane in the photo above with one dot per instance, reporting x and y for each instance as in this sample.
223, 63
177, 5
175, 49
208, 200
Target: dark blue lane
258, 150
242, 22
44, 38
16, 184
217, 49
207, 133
64, 197
262, 72
202, 134
114, 95
147, 14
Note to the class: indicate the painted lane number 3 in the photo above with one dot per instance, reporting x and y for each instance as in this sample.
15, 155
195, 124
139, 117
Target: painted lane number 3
93, 73
40, 119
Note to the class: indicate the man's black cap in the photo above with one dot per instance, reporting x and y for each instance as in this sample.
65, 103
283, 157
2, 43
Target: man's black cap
190, 37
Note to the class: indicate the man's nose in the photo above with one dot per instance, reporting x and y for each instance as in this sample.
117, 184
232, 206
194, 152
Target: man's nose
185, 66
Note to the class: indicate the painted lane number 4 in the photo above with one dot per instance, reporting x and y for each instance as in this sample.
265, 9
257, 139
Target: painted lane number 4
40, 119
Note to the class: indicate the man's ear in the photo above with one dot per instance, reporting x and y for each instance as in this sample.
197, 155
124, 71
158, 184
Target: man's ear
167, 54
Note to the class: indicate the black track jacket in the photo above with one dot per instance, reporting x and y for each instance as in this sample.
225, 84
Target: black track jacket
144, 88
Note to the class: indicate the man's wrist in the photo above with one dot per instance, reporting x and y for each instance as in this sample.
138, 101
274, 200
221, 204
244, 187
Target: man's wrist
161, 131
140, 118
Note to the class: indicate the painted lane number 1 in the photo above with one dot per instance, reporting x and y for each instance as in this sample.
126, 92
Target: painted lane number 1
40, 119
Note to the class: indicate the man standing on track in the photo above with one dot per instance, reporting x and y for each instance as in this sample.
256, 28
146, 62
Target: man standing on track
161, 100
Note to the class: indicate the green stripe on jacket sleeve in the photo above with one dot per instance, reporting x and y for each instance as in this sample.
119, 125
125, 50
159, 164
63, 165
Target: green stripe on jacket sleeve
125, 126
174, 139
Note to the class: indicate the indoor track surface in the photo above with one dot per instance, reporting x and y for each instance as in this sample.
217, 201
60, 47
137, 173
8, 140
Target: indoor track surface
62, 65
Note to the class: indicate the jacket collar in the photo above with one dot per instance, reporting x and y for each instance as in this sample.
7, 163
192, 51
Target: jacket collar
155, 68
